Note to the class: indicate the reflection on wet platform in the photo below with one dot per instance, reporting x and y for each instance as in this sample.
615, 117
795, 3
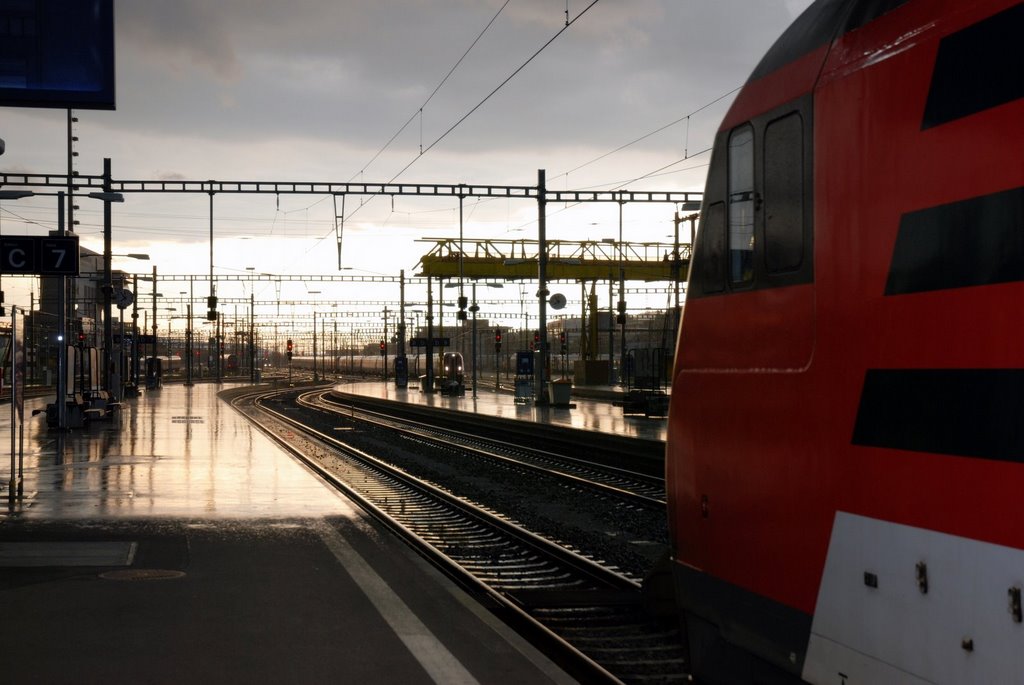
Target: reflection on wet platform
587, 414
179, 451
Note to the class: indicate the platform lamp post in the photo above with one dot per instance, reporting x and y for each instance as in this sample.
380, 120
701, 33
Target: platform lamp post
107, 197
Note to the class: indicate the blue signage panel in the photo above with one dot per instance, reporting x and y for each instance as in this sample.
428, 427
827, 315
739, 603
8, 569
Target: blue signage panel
18, 255
41, 255
58, 53
58, 256
524, 363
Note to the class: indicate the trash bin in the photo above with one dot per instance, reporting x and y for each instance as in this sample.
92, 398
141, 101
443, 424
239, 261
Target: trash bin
560, 392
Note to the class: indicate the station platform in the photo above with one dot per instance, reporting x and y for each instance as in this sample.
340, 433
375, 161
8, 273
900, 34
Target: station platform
587, 413
178, 543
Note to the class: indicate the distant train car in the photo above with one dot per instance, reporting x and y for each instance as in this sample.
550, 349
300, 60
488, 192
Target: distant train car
155, 367
845, 457
452, 378
168, 363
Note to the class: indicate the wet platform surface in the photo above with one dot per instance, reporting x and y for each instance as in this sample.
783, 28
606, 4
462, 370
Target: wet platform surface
179, 544
588, 414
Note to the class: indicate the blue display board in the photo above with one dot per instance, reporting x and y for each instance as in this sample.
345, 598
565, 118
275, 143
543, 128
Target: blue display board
57, 53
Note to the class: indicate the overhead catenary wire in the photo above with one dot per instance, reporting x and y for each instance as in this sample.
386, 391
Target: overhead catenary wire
462, 119
685, 117
419, 111
496, 89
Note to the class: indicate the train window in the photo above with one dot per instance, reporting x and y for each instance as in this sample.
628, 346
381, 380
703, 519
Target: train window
741, 205
712, 239
784, 194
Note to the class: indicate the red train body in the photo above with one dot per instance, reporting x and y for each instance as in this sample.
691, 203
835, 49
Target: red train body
846, 439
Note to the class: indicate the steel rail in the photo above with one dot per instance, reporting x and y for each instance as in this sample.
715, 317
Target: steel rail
567, 655
441, 437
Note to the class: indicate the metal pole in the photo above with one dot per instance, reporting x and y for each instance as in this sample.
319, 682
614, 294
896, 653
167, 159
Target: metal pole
401, 313
542, 287
108, 286
675, 260
155, 348
62, 349
18, 397
32, 336
188, 345
218, 335
474, 309
213, 290
622, 304
252, 337
429, 366
611, 329
135, 333
314, 346
120, 349
12, 487
71, 173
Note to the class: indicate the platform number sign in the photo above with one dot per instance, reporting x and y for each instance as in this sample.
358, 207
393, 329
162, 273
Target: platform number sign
58, 255
39, 255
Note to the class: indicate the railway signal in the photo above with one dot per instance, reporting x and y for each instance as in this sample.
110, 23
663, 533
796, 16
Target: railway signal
562, 339
497, 340
289, 348
383, 347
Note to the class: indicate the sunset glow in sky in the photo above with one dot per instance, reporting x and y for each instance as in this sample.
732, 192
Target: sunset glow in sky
313, 90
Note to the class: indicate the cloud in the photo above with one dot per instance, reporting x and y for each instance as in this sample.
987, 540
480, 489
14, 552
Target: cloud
170, 37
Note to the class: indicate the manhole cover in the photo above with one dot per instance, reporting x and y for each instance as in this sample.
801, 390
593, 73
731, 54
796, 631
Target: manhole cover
142, 574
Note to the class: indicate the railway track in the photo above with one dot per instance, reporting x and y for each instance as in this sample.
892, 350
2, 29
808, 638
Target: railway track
588, 617
638, 489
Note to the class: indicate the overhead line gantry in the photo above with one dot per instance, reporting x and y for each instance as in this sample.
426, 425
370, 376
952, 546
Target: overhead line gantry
540, 193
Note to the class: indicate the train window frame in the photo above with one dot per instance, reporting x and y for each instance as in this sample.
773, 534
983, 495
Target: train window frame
712, 237
742, 204
783, 248
717, 191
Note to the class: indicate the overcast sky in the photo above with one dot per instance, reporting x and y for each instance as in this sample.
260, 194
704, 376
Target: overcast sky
312, 90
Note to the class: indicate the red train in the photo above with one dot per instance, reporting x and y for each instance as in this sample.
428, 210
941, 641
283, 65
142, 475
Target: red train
846, 433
